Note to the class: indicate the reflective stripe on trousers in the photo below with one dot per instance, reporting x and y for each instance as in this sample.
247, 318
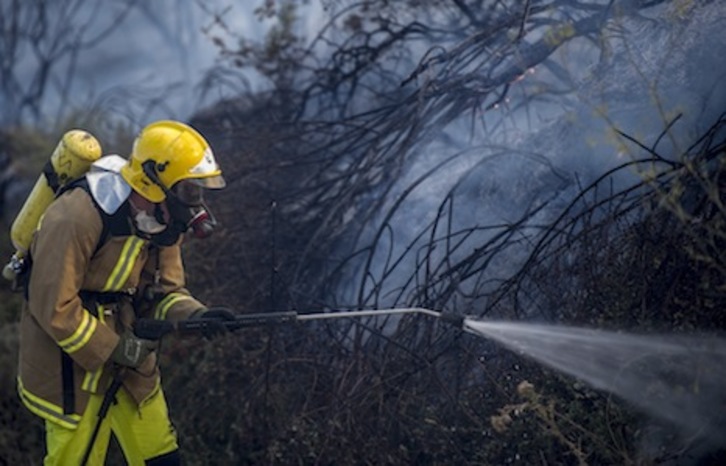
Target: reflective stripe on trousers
144, 433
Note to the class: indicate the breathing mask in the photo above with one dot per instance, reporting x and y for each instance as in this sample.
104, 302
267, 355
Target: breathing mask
185, 202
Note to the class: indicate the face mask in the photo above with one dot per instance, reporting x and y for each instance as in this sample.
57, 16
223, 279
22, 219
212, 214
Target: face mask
186, 205
201, 222
148, 224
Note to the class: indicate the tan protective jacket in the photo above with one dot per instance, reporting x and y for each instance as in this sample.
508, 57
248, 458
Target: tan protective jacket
66, 343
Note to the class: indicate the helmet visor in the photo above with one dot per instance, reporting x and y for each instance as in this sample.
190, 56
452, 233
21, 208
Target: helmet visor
206, 172
210, 182
188, 192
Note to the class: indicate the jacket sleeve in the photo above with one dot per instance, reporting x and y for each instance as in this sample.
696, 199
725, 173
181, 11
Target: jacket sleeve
63, 244
176, 302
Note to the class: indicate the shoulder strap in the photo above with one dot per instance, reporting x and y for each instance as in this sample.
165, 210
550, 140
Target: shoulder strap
116, 224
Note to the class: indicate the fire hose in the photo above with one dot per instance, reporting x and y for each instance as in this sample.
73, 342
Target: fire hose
153, 329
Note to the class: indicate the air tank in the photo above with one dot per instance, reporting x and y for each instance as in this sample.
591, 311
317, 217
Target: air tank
70, 160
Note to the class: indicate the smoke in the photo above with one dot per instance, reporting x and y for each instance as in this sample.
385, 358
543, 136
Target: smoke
521, 162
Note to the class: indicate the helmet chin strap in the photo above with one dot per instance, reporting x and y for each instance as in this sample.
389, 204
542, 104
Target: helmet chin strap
159, 214
149, 167
150, 170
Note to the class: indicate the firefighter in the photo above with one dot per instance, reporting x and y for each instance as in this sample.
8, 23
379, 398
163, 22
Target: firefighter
105, 252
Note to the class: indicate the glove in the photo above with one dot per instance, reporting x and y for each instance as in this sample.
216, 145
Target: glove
131, 350
214, 318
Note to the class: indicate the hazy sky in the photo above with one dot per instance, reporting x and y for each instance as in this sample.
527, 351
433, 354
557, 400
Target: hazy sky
156, 51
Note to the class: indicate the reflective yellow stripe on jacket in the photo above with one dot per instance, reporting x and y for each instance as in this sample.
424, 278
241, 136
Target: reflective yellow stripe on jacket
116, 279
122, 270
91, 379
169, 300
82, 334
46, 410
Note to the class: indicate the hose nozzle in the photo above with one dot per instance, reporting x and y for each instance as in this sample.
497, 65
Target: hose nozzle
457, 320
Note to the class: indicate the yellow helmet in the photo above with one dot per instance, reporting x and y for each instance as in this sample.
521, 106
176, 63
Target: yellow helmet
166, 152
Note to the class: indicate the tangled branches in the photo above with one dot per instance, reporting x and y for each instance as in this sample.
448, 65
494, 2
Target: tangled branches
359, 189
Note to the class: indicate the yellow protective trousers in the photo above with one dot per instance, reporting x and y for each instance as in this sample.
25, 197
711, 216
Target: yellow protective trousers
144, 433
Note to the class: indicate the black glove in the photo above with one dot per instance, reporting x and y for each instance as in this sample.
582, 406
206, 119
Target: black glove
131, 350
214, 318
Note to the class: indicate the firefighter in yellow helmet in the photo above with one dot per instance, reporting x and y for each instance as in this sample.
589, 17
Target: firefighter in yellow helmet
107, 251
